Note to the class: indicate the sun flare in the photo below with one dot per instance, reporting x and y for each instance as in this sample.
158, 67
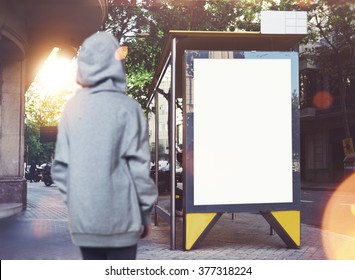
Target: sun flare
339, 217
56, 74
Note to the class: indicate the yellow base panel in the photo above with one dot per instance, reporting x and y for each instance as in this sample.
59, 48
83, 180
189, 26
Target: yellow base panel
196, 224
291, 223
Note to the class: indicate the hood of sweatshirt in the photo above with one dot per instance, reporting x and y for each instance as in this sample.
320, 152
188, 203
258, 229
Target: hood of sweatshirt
98, 67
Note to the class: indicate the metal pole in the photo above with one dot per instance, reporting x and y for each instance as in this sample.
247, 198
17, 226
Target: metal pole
156, 152
172, 148
157, 83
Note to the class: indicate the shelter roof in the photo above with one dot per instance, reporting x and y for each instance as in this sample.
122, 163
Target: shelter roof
218, 41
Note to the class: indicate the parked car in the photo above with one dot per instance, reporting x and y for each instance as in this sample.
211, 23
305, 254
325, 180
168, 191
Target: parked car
164, 176
349, 164
178, 172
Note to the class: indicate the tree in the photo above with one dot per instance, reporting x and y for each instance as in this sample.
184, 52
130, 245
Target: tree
128, 19
42, 109
124, 18
332, 32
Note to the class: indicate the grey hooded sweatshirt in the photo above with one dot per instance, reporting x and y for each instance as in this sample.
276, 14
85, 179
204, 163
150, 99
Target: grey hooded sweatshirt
102, 156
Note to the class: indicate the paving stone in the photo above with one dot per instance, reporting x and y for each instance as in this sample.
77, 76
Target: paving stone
41, 232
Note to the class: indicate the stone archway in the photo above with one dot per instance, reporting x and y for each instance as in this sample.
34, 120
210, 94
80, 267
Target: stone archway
29, 29
12, 75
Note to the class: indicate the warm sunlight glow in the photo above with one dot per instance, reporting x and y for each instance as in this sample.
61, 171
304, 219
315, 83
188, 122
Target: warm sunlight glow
56, 74
339, 217
305, 3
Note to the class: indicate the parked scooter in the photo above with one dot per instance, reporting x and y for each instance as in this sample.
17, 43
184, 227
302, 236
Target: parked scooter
46, 175
38, 175
33, 173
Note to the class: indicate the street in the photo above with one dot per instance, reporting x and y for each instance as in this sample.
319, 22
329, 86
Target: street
41, 232
316, 204
313, 206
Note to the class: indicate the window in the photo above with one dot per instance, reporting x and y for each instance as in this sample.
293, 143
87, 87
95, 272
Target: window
316, 152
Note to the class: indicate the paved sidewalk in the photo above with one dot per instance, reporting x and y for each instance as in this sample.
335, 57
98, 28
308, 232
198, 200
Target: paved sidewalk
41, 233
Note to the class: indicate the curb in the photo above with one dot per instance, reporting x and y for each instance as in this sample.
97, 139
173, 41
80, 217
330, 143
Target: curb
9, 209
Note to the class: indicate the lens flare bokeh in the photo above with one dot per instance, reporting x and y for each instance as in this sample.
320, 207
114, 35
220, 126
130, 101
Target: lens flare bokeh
339, 218
305, 3
322, 100
121, 53
39, 229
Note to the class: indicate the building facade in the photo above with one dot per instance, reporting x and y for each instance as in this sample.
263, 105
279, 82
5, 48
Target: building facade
327, 101
29, 30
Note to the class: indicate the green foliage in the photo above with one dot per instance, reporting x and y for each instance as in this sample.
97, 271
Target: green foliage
36, 151
138, 82
124, 18
234, 15
332, 44
334, 24
42, 109
332, 41
32, 144
129, 19
334, 27
331, 30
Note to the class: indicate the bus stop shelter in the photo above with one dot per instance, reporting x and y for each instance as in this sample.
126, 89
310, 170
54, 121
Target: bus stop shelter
230, 101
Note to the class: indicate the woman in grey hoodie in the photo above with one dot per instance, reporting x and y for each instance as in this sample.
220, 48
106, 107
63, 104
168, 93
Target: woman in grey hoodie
102, 157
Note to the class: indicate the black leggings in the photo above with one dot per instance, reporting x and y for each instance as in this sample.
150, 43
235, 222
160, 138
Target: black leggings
95, 253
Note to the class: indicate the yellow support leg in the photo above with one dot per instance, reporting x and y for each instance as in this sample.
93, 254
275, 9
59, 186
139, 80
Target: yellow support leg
197, 225
287, 224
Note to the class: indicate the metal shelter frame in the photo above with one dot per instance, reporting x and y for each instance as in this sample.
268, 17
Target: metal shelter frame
176, 44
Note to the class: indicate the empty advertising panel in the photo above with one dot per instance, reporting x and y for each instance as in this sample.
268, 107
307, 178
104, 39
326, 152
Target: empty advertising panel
242, 131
